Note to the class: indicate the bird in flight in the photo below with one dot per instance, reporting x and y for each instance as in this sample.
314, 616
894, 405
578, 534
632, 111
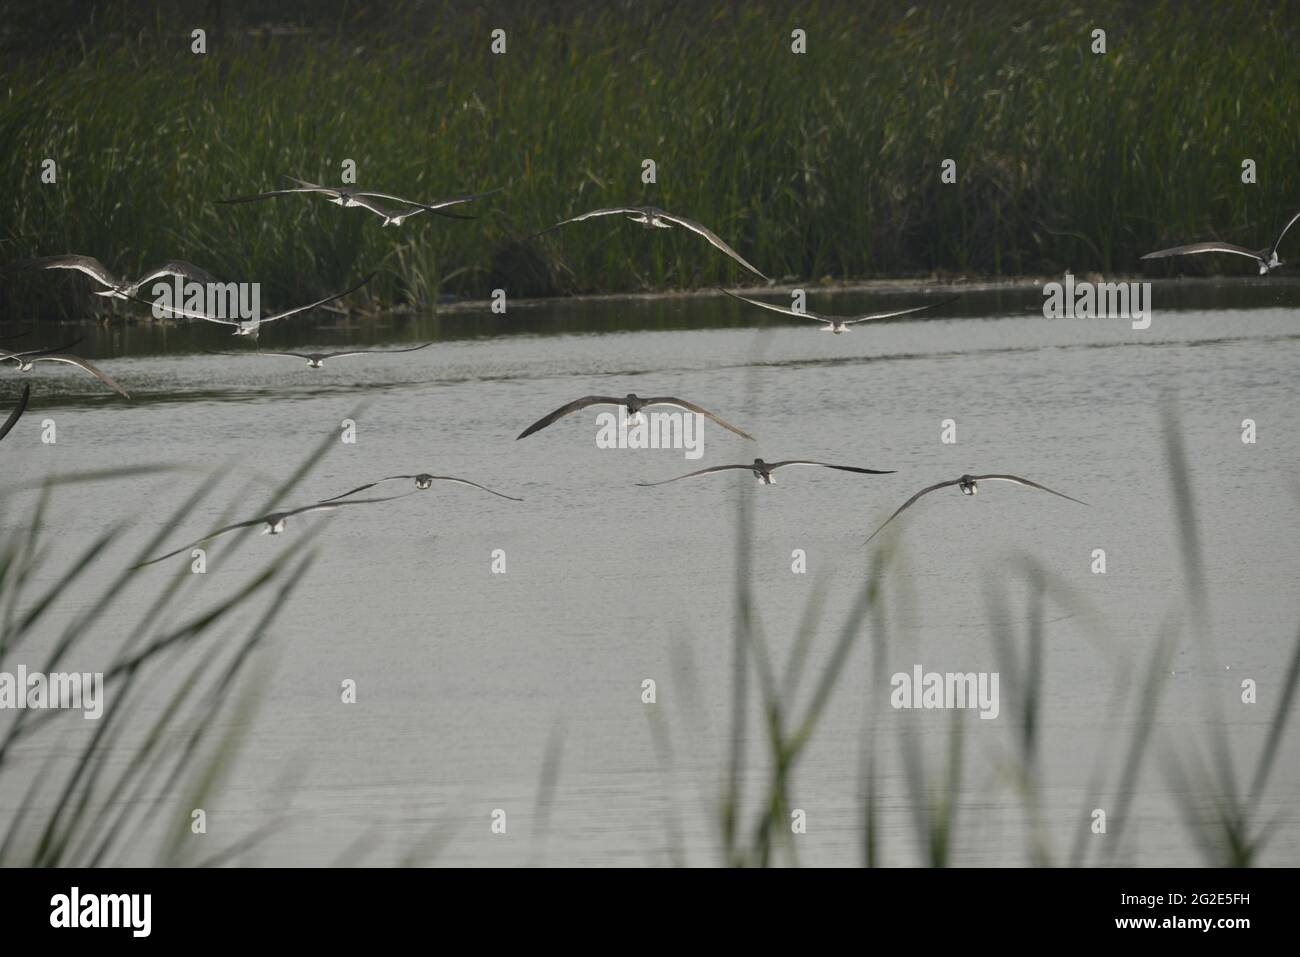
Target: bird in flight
1265, 258
115, 287
651, 217
317, 359
250, 327
633, 404
836, 324
969, 486
423, 481
18, 411
366, 199
763, 470
274, 521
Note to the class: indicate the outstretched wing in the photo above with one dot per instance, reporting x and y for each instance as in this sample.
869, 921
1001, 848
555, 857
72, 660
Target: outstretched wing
574, 406
438, 205
18, 411
373, 352
206, 538
1208, 247
606, 211
784, 310
910, 502
81, 363
825, 465
17, 356
900, 312
461, 481
708, 471
714, 239
253, 198
318, 302
1277, 242
89, 265
692, 407
362, 488
1024, 481
174, 267
259, 352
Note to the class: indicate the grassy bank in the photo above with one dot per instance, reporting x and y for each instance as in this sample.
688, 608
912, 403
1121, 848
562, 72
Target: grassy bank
814, 165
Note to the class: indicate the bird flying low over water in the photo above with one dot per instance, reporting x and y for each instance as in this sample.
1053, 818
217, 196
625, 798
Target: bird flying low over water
26, 360
250, 327
652, 217
365, 198
763, 470
115, 287
633, 404
274, 521
968, 485
316, 359
837, 324
18, 411
1265, 258
423, 481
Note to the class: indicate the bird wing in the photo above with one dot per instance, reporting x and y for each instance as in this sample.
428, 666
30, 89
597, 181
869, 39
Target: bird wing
18, 411
606, 211
6, 354
207, 538
254, 197
362, 488
715, 468
333, 503
786, 310
900, 312
182, 311
562, 411
306, 187
825, 465
375, 352
437, 204
1024, 481
174, 267
1277, 242
89, 265
692, 407
713, 238
461, 481
1208, 247
314, 507
259, 352
318, 302
910, 502
83, 364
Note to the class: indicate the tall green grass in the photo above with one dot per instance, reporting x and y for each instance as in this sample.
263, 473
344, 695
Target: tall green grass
817, 165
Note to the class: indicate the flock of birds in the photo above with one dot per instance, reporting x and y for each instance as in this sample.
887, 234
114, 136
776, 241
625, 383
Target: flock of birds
378, 203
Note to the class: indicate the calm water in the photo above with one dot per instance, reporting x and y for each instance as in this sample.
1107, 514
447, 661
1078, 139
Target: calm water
463, 676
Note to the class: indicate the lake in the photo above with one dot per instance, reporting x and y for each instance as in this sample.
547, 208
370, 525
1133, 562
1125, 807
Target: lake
466, 677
